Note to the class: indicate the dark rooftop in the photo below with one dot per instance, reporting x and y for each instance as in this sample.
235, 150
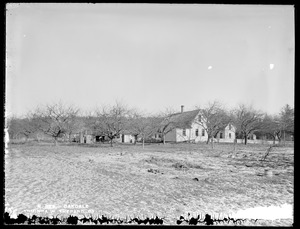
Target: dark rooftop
184, 120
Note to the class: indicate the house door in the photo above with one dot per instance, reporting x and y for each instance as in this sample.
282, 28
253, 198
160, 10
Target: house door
123, 138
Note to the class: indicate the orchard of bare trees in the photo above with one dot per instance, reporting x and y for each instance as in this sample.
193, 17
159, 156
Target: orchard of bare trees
60, 121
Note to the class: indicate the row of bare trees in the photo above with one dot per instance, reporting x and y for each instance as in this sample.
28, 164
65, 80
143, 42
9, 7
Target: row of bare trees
59, 120
247, 120
277, 126
55, 120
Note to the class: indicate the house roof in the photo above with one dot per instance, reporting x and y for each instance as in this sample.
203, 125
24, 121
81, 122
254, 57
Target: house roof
183, 120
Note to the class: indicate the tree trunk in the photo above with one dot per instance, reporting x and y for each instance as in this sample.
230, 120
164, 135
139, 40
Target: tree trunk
284, 138
55, 141
143, 142
246, 139
135, 139
212, 142
208, 138
111, 142
164, 140
279, 137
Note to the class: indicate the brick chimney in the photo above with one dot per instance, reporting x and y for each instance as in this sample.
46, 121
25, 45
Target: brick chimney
182, 108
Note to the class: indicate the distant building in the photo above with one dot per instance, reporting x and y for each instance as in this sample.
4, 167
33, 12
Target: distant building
187, 127
226, 135
88, 137
126, 137
84, 137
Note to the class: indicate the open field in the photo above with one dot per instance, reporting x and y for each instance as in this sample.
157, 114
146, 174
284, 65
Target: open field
165, 180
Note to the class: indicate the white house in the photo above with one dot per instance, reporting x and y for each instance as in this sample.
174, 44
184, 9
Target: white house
186, 127
84, 137
127, 138
226, 135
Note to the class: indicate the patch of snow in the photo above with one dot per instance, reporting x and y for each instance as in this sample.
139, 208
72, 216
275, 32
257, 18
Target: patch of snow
268, 213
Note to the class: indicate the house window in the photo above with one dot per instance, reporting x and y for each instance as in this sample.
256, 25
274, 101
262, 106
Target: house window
203, 132
197, 132
229, 135
184, 132
221, 135
229, 126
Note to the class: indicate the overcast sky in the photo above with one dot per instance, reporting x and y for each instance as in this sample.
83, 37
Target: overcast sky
150, 56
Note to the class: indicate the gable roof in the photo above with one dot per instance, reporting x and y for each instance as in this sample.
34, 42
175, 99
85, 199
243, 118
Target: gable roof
183, 120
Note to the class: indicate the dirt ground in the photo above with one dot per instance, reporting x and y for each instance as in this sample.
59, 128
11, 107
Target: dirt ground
164, 180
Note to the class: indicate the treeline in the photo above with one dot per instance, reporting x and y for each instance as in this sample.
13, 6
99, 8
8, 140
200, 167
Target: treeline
59, 121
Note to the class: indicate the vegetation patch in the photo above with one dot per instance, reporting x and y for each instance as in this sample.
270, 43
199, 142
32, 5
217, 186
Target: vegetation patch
180, 165
186, 165
159, 160
155, 171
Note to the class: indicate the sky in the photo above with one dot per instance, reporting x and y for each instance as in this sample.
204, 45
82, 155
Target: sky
149, 56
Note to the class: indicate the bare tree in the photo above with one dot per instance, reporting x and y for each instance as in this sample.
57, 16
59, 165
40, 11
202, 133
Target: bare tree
74, 125
142, 126
32, 125
91, 122
247, 120
55, 120
14, 125
287, 120
111, 121
214, 118
25, 126
28, 127
270, 126
165, 123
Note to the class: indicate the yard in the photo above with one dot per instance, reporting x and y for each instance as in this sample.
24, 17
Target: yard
165, 180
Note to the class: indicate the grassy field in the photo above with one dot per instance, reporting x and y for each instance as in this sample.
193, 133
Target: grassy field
165, 180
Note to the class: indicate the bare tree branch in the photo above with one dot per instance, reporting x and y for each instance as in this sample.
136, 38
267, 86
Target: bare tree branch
111, 121
214, 118
247, 120
56, 120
